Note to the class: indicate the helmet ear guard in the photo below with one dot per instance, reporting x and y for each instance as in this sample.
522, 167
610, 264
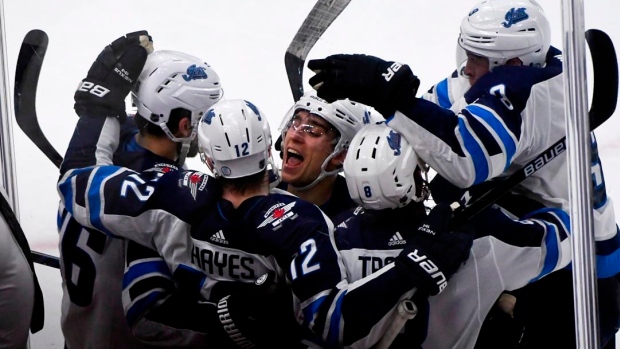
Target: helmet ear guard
501, 30
380, 169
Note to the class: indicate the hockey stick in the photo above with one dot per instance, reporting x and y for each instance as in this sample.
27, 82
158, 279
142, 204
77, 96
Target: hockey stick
604, 98
27, 72
316, 23
29, 63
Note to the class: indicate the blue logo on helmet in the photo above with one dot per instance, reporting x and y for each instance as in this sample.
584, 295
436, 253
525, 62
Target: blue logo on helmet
254, 109
394, 142
208, 117
366, 117
514, 16
195, 72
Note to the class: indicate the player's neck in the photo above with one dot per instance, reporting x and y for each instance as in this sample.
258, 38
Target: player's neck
237, 198
319, 194
161, 146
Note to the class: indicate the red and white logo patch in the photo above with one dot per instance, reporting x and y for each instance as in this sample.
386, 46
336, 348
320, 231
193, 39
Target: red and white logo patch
278, 213
195, 181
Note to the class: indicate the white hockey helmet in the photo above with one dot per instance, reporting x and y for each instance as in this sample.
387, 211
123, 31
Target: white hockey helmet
235, 136
504, 29
346, 116
171, 80
380, 169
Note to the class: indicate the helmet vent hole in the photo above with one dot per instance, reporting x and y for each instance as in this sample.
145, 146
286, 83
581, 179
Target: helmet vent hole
357, 154
374, 153
247, 134
227, 139
364, 169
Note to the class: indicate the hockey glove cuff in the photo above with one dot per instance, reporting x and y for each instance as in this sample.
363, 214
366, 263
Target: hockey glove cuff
112, 76
435, 254
366, 79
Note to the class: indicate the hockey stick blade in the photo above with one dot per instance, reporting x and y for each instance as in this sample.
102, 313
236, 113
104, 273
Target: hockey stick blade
29, 64
316, 23
604, 98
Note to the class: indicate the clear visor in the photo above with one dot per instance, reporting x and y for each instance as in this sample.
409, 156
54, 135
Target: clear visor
308, 121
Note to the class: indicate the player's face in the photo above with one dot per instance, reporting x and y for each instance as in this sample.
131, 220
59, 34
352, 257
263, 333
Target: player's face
306, 144
476, 67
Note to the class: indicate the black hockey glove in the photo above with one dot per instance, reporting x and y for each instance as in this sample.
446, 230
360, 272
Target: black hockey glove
365, 79
258, 316
435, 254
112, 76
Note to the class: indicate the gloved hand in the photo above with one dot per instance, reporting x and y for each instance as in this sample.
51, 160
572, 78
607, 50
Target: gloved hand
365, 79
112, 76
259, 316
434, 253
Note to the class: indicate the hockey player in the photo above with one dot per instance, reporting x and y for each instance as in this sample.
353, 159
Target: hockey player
172, 92
511, 113
315, 137
208, 237
380, 175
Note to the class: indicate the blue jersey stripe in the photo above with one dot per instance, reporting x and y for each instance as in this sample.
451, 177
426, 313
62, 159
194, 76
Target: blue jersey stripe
66, 187
500, 130
144, 268
333, 336
97, 181
475, 151
443, 97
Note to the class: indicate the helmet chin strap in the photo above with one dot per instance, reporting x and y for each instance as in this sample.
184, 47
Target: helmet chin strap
183, 153
185, 142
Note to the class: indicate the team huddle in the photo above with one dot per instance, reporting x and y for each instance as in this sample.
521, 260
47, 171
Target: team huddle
328, 248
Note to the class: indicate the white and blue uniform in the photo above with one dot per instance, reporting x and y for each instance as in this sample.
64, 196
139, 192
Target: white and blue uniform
473, 135
93, 264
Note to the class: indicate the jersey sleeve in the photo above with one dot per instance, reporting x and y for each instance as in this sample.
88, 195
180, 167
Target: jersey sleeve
151, 208
94, 141
480, 136
448, 91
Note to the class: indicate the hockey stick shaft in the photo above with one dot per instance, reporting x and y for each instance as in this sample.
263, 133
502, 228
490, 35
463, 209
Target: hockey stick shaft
27, 71
316, 23
604, 99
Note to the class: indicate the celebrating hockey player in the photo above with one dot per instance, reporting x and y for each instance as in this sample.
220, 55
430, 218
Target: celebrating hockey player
380, 175
172, 92
231, 229
315, 137
511, 113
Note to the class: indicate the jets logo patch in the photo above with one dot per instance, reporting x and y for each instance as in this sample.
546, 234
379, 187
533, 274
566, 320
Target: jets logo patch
195, 72
514, 16
277, 214
195, 181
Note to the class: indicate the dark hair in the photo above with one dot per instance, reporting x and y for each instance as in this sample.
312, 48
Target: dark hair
241, 185
173, 122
